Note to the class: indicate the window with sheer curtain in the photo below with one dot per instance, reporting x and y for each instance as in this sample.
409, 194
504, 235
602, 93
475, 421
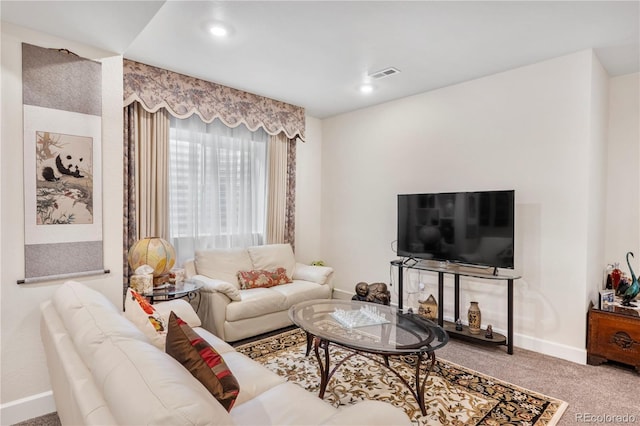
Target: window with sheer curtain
217, 186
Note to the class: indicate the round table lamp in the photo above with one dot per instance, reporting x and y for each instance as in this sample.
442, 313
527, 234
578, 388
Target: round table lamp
155, 252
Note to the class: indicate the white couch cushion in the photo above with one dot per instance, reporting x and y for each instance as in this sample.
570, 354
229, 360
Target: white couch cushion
70, 376
182, 308
90, 318
144, 386
232, 291
218, 344
272, 256
376, 413
256, 302
252, 377
316, 274
281, 405
300, 291
223, 264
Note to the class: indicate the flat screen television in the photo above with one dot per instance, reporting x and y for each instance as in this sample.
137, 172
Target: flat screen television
474, 228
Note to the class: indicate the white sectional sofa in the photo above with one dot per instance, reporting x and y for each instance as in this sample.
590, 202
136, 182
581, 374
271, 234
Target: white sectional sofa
105, 371
232, 313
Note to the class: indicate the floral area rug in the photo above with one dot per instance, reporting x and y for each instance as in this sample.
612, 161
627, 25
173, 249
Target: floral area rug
454, 394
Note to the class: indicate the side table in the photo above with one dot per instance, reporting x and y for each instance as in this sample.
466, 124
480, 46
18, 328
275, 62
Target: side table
185, 289
613, 334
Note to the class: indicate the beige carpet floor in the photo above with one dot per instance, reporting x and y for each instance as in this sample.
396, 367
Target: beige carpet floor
604, 390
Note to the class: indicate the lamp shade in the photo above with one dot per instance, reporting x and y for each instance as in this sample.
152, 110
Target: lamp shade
155, 252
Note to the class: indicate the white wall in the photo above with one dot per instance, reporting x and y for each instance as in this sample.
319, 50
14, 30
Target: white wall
623, 183
25, 389
596, 179
308, 190
527, 129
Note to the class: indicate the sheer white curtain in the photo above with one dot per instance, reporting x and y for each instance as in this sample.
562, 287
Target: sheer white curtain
218, 186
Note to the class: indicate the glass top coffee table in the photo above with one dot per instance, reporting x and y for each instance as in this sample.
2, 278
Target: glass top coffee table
373, 331
184, 289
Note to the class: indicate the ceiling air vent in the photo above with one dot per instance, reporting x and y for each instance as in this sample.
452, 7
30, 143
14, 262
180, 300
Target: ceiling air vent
384, 73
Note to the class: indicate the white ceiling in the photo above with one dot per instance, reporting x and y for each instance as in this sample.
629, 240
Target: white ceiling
316, 53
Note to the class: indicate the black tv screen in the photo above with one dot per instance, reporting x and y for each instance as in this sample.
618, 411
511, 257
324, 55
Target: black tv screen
475, 228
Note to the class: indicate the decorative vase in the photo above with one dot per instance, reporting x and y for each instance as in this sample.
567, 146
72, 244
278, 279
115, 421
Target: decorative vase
616, 274
428, 308
474, 318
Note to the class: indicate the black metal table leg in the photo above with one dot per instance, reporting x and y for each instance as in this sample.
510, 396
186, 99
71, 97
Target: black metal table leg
510, 317
440, 299
309, 343
324, 366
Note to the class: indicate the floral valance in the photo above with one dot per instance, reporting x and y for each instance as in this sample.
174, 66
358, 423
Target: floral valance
183, 96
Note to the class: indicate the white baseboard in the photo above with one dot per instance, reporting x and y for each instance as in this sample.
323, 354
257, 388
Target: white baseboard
341, 294
554, 349
27, 408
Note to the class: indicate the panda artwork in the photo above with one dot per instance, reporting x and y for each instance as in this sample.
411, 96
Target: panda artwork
64, 179
65, 164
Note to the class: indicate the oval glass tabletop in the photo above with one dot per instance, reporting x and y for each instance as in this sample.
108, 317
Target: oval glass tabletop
176, 289
368, 326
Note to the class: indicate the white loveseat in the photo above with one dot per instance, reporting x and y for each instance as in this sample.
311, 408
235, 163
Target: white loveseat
232, 313
105, 371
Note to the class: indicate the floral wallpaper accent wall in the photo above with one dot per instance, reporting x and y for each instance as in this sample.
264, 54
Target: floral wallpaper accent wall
183, 96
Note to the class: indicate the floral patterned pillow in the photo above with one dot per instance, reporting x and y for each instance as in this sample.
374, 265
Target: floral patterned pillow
258, 278
140, 312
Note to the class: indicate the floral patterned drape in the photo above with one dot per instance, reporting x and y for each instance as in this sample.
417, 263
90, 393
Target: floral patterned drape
290, 225
129, 213
183, 96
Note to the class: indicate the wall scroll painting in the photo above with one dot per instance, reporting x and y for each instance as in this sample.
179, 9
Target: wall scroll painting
62, 164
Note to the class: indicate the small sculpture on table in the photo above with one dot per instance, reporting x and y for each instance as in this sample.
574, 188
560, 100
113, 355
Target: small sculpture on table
458, 324
428, 308
373, 293
634, 287
489, 333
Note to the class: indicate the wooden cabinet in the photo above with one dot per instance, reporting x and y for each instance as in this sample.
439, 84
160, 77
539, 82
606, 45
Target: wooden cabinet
613, 336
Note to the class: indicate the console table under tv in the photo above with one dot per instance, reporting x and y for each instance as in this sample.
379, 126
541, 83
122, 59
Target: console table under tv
457, 271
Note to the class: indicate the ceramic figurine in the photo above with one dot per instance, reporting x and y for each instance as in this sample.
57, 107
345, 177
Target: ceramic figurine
489, 332
374, 293
429, 308
459, 324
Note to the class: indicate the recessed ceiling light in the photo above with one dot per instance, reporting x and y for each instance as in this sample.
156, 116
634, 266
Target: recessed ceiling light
218, 30
366, 88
